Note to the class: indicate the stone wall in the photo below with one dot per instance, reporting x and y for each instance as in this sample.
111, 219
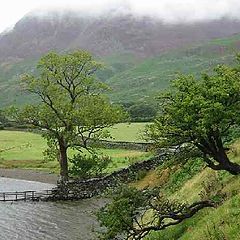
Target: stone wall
81, 189
141, 146
124, 145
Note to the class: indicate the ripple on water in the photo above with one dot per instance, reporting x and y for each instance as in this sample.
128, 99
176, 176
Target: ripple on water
46, 220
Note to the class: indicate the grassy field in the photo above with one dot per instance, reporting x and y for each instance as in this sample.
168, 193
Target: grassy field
129, 132
25, 150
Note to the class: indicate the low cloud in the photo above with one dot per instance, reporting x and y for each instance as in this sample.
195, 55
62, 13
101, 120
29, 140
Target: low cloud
170, 11
187, 10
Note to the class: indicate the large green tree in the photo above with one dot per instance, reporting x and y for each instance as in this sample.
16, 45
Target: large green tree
201, 113
72, 107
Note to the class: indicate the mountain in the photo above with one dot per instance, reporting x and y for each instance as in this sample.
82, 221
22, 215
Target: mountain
134, 49
33, 36
145, 80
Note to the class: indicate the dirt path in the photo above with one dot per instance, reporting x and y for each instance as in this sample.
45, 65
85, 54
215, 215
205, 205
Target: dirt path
30, 175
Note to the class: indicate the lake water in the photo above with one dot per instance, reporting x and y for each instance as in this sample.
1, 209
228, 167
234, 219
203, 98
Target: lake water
46, 220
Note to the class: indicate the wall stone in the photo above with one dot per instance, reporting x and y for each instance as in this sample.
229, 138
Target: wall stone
141, 146
81, 189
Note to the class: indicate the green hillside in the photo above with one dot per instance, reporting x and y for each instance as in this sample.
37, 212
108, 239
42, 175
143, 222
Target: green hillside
181, 184
143, 81
12, 92
132, 79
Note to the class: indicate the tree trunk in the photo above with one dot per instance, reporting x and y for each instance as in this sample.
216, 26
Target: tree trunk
63, 160
215, 154
226, 164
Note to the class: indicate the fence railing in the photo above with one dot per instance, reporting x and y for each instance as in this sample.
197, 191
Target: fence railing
25, 195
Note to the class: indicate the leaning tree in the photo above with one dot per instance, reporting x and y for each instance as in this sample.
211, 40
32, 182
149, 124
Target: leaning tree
72, 108
134, 214
201, 113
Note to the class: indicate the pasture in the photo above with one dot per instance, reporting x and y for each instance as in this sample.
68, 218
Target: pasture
129, 132
25, 149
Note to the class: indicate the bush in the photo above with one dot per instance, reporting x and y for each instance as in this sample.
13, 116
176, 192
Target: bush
87, 166
118, 216
140, 111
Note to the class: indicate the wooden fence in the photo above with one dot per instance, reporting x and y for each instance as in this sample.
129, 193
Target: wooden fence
25, 195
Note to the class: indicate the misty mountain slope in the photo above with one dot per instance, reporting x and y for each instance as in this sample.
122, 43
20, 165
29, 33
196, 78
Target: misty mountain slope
135, 50
144, 37
147, 79
132, 79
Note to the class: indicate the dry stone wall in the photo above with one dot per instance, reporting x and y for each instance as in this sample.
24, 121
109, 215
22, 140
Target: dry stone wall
81, 189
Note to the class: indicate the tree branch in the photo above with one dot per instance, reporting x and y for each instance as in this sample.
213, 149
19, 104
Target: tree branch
169, 219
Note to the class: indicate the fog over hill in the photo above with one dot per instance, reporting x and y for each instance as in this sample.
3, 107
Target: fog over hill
142, 36
124, 40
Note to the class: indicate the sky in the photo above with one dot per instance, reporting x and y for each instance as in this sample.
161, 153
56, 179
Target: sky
168, 10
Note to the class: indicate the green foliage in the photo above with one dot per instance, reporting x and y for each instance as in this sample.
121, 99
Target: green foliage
87, 166
4, 121
201, 113
72, 108
133, 214
118, 216
192, 107
142, 112
233, 134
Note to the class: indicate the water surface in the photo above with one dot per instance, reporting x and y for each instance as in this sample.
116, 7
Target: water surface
46, 220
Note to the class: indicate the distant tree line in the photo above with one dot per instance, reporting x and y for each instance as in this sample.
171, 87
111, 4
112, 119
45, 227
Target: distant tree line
140, 111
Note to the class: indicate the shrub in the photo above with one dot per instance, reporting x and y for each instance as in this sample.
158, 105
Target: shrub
87, 166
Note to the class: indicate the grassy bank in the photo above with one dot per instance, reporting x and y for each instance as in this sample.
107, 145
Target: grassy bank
191, 182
